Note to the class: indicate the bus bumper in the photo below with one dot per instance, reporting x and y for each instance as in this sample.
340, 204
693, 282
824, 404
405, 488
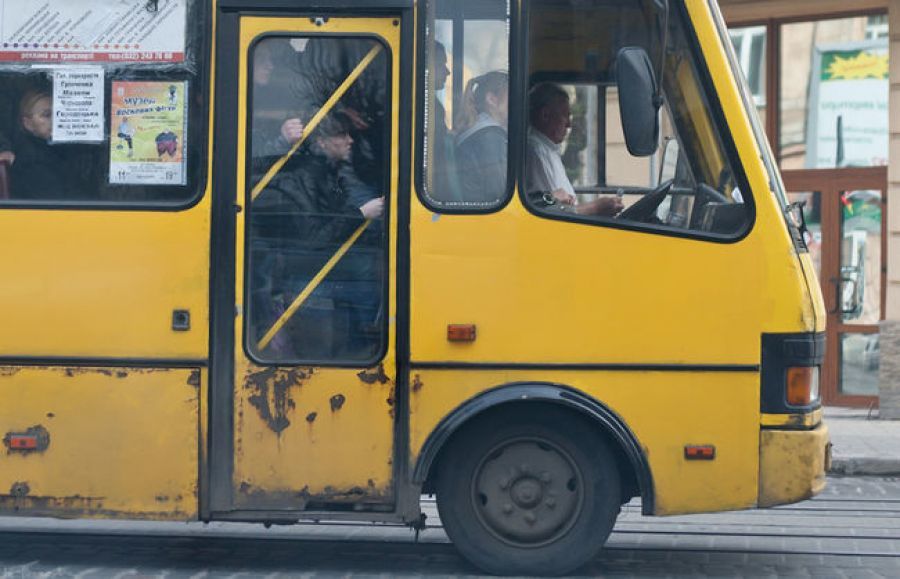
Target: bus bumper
792, 464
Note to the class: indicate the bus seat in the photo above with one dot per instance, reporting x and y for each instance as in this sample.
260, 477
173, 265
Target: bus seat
4, 180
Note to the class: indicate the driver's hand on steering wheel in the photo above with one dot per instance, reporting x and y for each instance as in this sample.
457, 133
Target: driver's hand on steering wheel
563, 197
605, 207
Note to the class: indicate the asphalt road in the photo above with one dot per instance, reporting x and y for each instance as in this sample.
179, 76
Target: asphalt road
851, 530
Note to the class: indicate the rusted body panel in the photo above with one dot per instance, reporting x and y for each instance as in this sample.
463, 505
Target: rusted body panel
310, 437
99, 436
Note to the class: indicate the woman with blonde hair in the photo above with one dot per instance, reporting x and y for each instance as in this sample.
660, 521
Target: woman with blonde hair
481, 144
41, 171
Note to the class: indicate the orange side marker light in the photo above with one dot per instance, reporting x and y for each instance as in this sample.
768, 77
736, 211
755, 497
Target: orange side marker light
699, 452
461, 333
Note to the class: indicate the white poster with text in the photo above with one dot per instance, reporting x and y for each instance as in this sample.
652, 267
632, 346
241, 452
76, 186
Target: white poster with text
78, 105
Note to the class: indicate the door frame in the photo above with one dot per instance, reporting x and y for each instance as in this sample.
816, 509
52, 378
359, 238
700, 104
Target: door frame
831, 184
217, 416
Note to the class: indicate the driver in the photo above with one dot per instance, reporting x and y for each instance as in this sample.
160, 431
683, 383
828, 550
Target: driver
551, 120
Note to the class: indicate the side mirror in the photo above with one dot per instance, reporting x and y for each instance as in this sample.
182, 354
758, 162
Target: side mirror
638, 101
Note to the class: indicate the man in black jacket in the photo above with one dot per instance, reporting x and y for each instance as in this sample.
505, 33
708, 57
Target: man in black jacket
298, 222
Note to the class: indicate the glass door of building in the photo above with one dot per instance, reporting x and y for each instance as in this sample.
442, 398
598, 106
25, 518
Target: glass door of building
845, 215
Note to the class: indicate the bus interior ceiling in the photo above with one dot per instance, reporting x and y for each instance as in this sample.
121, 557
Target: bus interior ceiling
566, 36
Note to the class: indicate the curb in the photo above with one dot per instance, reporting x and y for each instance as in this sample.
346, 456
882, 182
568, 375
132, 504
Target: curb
858, 466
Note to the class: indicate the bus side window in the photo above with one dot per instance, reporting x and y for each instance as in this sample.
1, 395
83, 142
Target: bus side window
122, 128
465, 144
316, 278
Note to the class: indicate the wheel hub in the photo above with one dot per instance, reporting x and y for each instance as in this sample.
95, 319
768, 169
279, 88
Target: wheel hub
527, 492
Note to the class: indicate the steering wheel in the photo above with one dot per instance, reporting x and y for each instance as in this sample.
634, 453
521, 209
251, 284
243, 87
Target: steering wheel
648, 204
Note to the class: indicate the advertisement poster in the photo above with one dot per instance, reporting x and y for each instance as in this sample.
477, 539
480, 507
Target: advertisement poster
78, 101
848, 109
92, 30
147, 133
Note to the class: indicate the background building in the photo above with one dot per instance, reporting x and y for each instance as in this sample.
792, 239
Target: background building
825, 75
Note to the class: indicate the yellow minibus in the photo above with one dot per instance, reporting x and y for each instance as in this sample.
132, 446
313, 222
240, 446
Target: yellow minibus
274, 261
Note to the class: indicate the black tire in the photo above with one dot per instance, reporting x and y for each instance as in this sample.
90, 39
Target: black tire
535, 491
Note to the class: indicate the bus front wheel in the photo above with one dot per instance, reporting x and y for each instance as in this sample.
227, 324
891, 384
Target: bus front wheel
534, 492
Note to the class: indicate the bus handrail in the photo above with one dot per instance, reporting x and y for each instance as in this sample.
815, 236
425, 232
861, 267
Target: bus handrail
311, 287
317, 118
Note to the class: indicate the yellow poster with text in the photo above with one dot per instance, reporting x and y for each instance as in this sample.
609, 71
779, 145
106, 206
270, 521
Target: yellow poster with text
148, 122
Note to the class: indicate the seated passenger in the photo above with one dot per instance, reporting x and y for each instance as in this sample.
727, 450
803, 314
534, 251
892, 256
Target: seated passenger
550, 117
42, 171
481, 147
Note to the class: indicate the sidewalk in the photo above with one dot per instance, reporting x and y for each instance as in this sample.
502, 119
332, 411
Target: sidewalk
863, 445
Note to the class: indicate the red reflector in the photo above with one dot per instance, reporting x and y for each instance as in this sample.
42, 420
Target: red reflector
461, 332
23, 442
703, 452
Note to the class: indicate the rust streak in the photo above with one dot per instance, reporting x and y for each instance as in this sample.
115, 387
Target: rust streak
337, 402
417, 383
78, 506
8, 371
374, 375
19, 489
271, 394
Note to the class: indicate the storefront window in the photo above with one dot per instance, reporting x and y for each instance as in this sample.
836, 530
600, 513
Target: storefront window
750, 47
834, 94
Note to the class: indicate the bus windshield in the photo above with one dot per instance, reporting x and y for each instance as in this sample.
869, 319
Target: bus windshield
577, 162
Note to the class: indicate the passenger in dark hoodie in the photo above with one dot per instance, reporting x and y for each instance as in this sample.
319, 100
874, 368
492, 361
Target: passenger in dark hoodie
43, 171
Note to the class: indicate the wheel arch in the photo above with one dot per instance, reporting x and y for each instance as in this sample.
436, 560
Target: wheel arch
601, 416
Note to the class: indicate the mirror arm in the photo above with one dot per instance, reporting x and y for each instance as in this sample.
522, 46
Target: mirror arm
798, 206
662, 52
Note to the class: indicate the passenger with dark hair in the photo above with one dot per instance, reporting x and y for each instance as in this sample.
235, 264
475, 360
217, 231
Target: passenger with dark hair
481, 146
323, 65
444, 184
42, 171
270, 138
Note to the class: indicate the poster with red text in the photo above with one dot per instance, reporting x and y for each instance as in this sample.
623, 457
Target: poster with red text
148, 133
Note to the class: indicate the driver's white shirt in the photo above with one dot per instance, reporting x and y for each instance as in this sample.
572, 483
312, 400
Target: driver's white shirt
545, 171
